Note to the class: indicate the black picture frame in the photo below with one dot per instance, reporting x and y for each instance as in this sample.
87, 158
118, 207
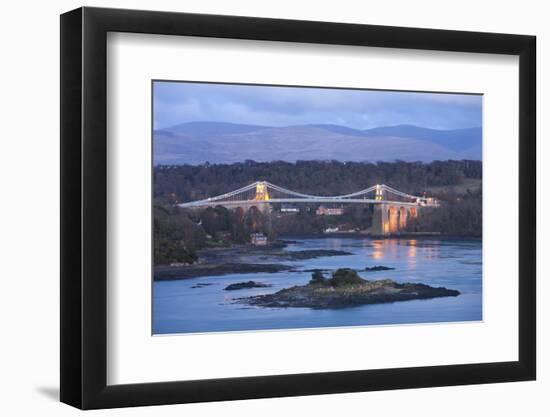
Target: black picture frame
84, 207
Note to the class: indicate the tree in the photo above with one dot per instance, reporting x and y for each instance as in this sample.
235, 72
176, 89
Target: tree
317, 277
175, 236
344, 277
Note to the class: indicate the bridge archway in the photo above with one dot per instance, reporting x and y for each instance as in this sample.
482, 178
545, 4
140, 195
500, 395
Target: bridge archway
393, 220
239, 212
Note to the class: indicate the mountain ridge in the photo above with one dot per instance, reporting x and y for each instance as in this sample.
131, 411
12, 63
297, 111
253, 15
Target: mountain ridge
221, 142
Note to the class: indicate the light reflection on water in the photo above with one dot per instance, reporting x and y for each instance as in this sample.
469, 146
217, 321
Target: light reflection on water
378, 249
452, 263
411, 255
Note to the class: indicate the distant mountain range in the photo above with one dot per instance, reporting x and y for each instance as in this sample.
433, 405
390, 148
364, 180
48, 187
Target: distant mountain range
197, 142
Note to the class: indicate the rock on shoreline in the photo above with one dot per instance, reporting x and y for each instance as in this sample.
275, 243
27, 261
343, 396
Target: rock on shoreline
203, 270
244, 285
378, 268
346, 289
237, 261
307, 254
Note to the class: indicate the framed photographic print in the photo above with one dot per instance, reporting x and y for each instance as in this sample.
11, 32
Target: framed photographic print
258, 207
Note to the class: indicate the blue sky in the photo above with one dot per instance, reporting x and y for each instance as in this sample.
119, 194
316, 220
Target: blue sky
180, 102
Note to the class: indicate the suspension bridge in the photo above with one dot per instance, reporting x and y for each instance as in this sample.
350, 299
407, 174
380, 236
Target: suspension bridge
392, 207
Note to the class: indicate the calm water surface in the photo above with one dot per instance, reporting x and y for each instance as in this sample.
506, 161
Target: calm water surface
451, 263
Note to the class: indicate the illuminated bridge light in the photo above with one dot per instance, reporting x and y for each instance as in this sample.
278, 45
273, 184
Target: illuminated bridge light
261, 192
378, 192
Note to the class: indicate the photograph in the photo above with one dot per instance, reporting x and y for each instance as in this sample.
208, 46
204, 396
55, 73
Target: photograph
275, 209
297, 207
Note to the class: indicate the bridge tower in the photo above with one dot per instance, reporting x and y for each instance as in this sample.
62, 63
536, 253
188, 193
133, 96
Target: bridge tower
379, 192
261, 191
262, 196
380, 220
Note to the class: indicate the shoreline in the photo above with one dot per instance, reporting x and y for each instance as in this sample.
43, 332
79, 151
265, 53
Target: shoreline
364, 235
272, 258
244, 259
283, 241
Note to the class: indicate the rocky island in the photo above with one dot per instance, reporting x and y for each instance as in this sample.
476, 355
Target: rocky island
346, 289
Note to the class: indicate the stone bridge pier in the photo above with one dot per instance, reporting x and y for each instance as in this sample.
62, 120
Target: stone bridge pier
390, 219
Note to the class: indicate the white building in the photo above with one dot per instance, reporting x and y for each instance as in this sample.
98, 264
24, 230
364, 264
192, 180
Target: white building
289, 208
329, 211
258, 239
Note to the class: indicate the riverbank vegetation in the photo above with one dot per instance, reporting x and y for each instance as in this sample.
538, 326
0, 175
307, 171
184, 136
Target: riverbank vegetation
459, 215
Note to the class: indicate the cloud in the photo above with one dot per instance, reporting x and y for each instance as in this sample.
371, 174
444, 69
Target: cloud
180, 102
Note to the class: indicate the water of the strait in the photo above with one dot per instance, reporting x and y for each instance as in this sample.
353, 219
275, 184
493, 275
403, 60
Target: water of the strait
451, 263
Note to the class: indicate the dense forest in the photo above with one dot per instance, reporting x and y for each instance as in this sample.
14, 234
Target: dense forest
191, 182
179, 233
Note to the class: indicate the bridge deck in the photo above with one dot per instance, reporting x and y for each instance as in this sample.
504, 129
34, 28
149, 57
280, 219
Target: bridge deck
238, 203
262, 194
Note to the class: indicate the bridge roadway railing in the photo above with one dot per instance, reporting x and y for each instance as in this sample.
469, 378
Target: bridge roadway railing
211, 203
